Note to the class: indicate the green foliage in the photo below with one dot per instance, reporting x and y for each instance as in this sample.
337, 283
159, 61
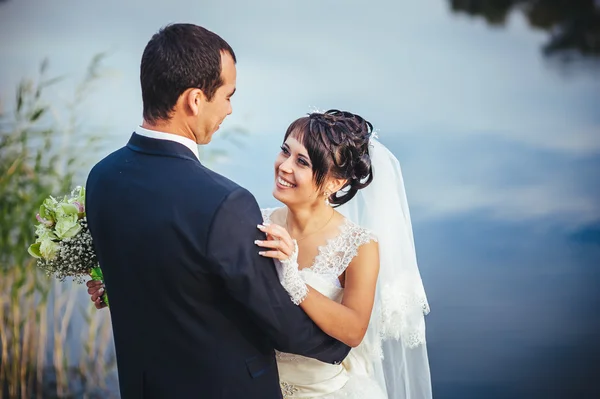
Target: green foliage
38, 157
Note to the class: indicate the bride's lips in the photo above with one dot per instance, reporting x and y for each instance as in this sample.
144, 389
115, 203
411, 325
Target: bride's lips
283, 184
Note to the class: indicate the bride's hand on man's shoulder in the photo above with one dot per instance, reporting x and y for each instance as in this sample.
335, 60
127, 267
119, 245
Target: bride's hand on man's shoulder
278, 245
96, 290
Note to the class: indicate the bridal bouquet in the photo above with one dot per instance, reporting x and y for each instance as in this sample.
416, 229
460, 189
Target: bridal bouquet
63, 245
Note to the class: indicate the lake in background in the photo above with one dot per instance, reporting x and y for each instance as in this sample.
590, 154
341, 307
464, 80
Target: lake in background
499, 142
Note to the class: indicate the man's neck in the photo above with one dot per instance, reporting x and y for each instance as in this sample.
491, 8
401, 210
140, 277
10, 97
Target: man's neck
169, 127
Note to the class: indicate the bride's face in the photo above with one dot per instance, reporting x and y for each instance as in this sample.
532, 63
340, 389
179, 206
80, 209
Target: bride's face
294, 181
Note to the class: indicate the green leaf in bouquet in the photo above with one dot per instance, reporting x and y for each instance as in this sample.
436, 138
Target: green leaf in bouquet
78, 194
34, 250
48, 209
97, 275
44, 213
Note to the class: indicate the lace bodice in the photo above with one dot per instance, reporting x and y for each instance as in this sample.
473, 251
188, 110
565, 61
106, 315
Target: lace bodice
334, 257
302, 377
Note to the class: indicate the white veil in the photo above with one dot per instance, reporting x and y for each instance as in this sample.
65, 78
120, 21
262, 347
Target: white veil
395, 339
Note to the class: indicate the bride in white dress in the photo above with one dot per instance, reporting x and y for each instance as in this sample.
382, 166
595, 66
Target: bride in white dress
344, 251
353, 272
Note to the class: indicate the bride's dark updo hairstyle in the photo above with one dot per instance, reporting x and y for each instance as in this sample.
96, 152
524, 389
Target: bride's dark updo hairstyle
337, 143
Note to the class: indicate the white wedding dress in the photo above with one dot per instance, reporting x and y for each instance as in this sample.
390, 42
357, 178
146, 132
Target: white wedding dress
302, 377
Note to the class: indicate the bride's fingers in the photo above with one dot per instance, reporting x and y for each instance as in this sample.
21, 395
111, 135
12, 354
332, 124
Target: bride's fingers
273, 254
280, 231
280, 238
268, 230
275, 244
277, 232
268, 243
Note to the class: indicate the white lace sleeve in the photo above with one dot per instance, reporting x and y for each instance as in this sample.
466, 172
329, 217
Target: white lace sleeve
334, 257
266, 214
290, 278
287, 270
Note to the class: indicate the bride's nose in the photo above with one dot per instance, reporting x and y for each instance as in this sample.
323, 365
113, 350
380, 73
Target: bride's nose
286, 166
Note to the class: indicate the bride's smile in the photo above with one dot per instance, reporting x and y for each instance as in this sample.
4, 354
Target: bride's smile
294, 179
282, 182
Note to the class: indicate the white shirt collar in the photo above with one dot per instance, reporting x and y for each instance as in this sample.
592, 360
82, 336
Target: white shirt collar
153, 134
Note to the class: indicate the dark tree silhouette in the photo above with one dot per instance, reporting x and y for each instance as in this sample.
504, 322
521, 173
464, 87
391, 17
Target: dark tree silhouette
572, 25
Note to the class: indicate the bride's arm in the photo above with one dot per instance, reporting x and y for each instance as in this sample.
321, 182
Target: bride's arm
348, 321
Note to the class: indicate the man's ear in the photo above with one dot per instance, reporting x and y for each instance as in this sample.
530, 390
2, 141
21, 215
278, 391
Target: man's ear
195, 100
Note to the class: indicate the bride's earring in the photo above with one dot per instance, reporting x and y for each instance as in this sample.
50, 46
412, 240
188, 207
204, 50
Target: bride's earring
327, 198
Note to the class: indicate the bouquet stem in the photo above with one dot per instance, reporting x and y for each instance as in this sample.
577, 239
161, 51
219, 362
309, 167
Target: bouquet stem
97, 275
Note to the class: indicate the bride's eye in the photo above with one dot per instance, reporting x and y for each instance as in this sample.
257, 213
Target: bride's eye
285, 150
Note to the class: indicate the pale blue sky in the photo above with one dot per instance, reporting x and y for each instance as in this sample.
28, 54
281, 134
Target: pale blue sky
437, 88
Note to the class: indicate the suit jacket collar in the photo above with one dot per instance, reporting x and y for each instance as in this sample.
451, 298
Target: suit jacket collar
167, 148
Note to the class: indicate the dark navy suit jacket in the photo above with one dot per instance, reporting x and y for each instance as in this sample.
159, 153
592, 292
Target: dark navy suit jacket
196, 312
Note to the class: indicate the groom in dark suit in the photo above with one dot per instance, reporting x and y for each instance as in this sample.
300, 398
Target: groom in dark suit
196, 312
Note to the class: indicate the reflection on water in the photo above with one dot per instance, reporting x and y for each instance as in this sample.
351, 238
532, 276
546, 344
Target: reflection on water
501, 157
573, 26
515, 309
517, 301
